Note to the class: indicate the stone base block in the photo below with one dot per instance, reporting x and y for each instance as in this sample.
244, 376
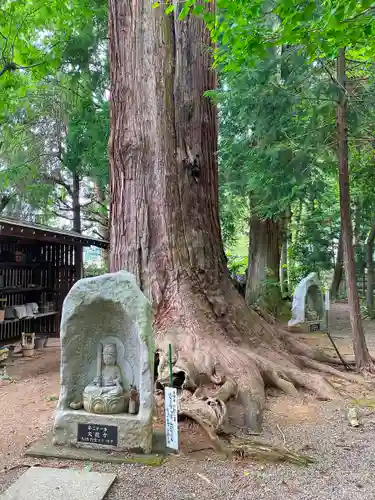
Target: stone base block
127, 432
43, 448
308, 327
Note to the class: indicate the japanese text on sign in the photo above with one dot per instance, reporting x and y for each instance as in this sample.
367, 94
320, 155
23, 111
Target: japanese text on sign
171, 424
97, 434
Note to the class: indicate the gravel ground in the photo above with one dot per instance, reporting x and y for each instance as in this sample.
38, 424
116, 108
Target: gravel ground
343, 470
345, 458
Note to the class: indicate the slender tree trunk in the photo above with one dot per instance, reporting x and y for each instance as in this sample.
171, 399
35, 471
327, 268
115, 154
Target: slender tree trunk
298, 218
165, 220
370, 272
77, 224
103, 229
4, 202
284, 285
264, 255
77, 227
358, 251
362, 356
284, 272
338, 271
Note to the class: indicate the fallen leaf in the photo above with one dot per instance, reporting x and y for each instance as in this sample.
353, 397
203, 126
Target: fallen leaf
204, 478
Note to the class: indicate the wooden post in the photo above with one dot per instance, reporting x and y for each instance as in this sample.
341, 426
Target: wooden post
78, 254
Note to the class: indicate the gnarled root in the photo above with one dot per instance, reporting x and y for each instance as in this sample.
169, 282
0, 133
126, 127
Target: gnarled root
209, 411
215, 360
210, 376
258, 450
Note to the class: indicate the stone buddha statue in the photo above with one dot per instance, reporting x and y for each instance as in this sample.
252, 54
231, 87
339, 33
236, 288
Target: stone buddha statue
106, 394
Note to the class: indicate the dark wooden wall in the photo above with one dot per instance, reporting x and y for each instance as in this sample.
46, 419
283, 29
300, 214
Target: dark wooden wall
45, 277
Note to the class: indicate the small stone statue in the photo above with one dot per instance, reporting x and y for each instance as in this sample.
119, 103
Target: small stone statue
105, 395
109, 373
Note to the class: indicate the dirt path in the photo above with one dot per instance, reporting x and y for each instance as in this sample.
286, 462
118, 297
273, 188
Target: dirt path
28, 402
339, 326
344, 456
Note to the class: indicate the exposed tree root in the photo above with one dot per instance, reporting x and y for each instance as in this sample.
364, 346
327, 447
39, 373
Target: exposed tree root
214, 360
248, 376
258, 450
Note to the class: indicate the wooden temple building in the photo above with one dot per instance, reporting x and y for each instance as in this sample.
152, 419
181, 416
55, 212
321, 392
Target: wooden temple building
38, 266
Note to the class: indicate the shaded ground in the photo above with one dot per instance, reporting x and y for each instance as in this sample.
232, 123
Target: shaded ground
344, 456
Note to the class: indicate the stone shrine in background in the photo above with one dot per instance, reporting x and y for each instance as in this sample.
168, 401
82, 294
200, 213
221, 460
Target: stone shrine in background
107, 353
308, 309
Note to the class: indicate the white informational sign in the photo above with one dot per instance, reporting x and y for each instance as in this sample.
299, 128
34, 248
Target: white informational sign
171, 424
327, 300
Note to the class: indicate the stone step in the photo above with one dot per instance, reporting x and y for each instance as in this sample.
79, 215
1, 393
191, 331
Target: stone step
44, 483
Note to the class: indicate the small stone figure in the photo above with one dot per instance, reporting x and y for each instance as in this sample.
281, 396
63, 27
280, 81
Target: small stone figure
109, 375
107, 366
105, 395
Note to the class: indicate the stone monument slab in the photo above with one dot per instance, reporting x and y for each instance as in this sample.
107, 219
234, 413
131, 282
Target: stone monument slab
44, 483
107, 354
308, 310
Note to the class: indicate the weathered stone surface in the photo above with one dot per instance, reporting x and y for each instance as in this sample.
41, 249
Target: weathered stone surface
44, 448
108, 309
308, 302
42, 483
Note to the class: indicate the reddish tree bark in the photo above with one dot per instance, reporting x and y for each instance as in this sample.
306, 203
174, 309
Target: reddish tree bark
370, 272
164, 179
165, 224
362, 356
264, 255
338, 271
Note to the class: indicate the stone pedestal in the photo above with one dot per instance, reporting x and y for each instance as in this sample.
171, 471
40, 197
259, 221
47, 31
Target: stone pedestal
107, 349
122, 432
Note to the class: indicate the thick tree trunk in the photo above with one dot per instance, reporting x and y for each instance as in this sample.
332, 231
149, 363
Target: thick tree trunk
362, 356
370, 272
166, 216
338, 271
165, 223
264, 255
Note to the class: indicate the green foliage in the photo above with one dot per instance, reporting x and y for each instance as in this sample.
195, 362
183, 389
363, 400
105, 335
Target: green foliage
270, 298
270, 131
247, 29
54, 122
278, 117
277, 102
92, 270
236, 264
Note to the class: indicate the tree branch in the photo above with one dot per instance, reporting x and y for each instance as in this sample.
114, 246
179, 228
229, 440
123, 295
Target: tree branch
52, 179
360, 14
62, 216
95, 220
335, 81
371, 235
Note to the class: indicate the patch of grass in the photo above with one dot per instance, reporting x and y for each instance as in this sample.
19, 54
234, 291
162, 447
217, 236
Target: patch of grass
367, 402
51, 398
